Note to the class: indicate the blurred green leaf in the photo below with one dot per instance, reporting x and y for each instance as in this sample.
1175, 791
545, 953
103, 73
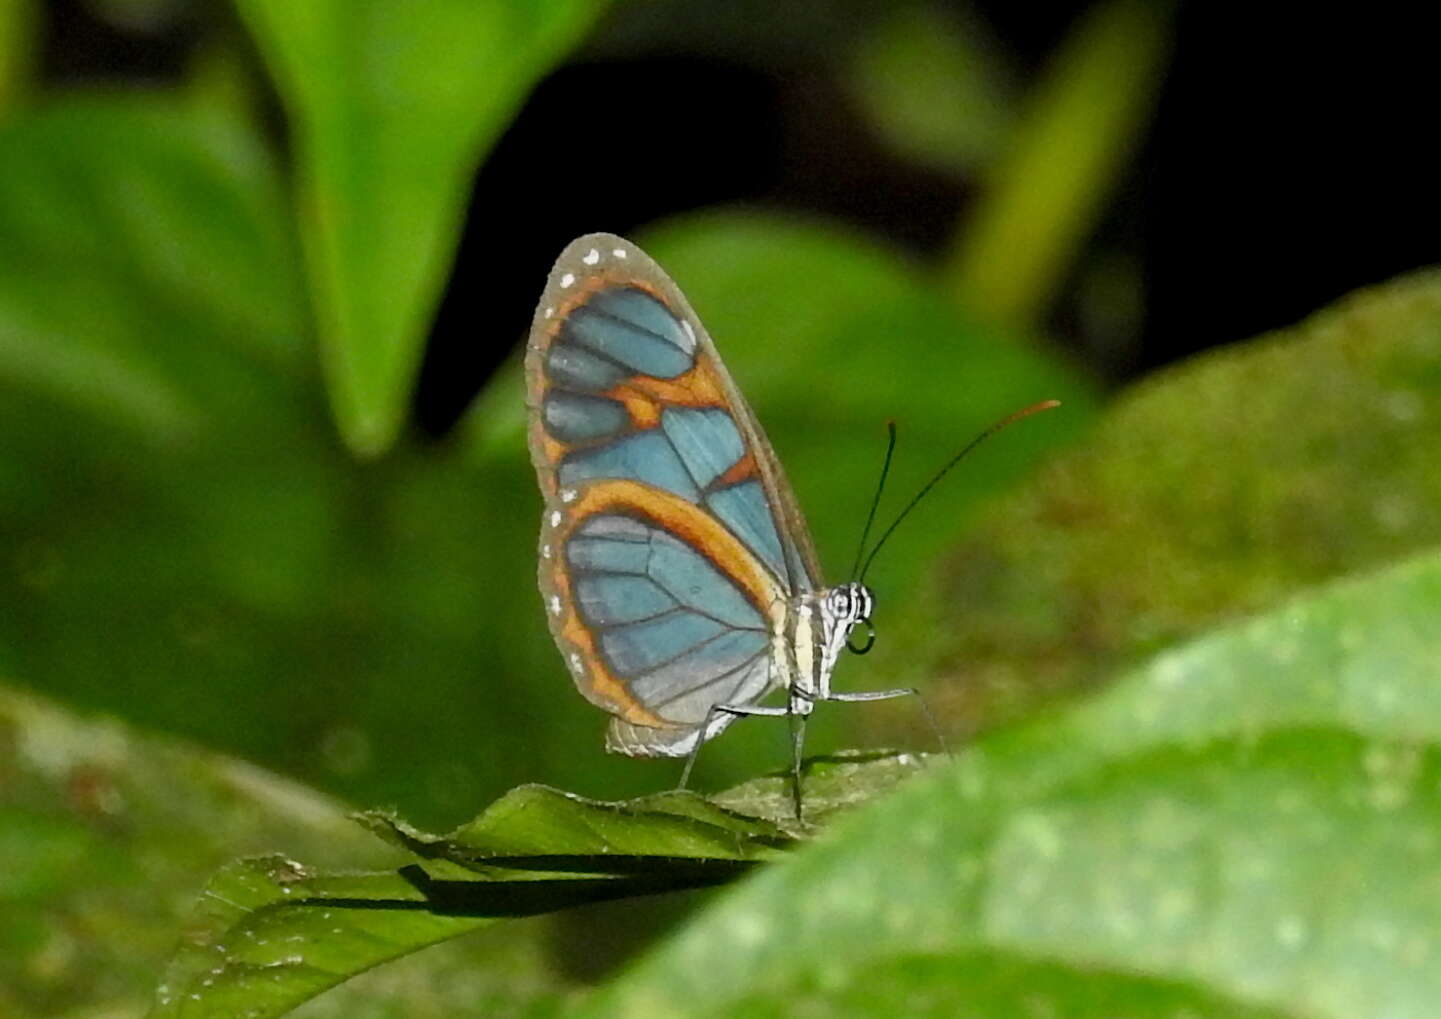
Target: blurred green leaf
392, 104
1066, 159
273, 933
17, 48
1252, 819
163, 488
931, 83
184, 541
1218, 488
106, 835
116, 300
984, 984
220, 73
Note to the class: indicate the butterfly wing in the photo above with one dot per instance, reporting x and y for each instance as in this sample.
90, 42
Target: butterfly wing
670, 541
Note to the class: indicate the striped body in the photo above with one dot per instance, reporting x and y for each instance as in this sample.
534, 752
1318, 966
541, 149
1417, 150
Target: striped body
813, 630
677, 572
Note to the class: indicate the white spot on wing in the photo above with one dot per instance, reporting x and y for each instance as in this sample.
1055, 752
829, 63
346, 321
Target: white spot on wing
555, 604
575, 660
555, 518
591, 257
619, 252
545, 551
567, 495
567, 280
549, 312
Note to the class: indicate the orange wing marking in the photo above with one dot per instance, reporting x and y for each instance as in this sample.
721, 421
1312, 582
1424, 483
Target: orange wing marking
743, 469
683, 519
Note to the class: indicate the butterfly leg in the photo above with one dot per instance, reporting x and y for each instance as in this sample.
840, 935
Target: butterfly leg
798, 740
739, 710
861, 696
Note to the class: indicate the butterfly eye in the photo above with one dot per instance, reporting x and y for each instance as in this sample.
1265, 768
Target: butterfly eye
870, 639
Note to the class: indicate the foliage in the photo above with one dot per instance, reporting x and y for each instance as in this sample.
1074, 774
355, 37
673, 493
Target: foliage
220, 544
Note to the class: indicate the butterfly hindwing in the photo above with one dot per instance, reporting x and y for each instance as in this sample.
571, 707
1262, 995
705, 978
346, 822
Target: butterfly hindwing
670, 538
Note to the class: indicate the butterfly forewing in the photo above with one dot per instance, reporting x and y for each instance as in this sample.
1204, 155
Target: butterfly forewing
670, 541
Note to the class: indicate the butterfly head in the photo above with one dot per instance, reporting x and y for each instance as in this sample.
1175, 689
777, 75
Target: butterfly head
850, 605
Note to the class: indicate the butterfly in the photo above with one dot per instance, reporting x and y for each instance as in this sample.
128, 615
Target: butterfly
678, 575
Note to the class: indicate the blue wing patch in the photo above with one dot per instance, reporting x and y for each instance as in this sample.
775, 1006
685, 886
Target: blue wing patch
671, 626
608, 600
640, 647
640, 310
575, 368
643, 456
573, 417
631, 328
743, 508
733, 669
706, 438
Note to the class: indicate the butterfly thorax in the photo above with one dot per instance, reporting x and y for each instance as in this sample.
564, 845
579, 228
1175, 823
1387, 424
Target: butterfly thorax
814, 628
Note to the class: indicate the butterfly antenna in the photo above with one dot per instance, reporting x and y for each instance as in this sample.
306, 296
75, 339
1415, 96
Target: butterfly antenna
1010, 419
876, 500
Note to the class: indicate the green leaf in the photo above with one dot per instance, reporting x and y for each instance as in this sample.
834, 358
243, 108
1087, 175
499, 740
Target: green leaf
833, 784
538, 823
272, 933
1220, 487
269, 935
984, 984
106, 834
117, 302
931, 83
17, 46
162, 475
189, 544
1251, 819
392, 104
1064, 162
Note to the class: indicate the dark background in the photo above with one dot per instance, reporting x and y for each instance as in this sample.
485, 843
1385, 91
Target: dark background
1290, 159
